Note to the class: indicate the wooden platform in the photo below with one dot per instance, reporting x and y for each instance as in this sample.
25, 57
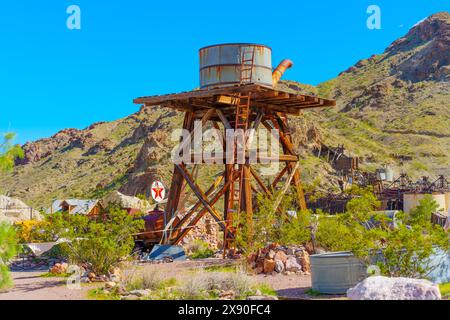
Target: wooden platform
262, 97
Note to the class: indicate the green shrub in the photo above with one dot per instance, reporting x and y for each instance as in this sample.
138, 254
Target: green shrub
271, 223
199, 249
266, 289
296, 230
445, 290
100, 242
60, 251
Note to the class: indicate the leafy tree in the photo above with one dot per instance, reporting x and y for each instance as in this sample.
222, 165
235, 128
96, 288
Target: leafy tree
9, 152
360, 208
7, 251
421, 214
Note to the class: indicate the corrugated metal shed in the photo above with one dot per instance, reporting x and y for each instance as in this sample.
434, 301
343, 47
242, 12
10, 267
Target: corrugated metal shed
78, 206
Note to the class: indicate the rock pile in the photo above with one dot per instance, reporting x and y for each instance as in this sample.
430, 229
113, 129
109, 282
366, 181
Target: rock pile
205, 230
59, 268
280, 259
111, 279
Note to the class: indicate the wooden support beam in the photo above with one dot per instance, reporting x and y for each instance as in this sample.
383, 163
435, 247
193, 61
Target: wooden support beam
285, 139
289, 147
281, 96
220, 158
224, 119
205, 118
200, 194
247, 201
285, 188
278, 108
192, 210
260, 182
228, 204
299, 187
177, 179
258, 120
202, 212
278, 177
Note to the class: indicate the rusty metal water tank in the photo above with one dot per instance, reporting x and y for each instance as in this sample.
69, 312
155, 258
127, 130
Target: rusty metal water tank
220, 65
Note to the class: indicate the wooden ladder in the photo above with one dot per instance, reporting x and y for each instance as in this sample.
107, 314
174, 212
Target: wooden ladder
242, 104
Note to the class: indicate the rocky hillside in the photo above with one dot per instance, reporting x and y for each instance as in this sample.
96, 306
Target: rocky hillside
390, 105
397, 103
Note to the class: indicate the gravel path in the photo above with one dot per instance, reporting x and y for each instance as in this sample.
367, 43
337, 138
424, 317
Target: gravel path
287, 286
30, 286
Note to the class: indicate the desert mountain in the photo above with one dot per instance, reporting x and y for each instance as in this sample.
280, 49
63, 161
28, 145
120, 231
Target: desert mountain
391, 105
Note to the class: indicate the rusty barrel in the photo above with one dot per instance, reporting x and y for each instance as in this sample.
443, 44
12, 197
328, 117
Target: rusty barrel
220, 65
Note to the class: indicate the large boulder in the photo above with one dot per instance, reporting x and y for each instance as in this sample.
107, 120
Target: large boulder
281, 256
384, 288
292, 265
279, 266
269, 265
303, 259
124, 201
13, 210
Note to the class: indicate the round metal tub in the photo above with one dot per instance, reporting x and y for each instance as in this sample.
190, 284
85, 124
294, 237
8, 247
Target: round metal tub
220, 65
335, 272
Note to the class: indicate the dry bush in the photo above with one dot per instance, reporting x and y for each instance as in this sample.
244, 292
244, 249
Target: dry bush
200, 285
139, 280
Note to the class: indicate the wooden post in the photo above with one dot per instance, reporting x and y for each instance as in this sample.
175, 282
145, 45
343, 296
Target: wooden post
247, 205
177, 178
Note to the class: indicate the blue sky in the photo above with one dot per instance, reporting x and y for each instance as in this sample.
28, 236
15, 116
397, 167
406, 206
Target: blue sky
53, 78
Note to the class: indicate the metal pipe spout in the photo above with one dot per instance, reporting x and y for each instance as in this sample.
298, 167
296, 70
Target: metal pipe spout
279, 71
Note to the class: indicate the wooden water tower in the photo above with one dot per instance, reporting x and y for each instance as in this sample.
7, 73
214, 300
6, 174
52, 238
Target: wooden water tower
237, 92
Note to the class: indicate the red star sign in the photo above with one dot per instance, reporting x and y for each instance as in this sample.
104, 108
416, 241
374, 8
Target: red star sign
158, 192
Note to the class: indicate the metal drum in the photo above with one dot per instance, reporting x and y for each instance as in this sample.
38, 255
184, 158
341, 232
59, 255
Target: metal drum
335, 272
220, 65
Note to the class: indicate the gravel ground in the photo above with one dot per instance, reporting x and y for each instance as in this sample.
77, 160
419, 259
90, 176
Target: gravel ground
287, 286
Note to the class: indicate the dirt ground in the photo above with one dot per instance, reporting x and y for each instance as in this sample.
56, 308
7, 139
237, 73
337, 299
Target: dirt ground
30, 286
